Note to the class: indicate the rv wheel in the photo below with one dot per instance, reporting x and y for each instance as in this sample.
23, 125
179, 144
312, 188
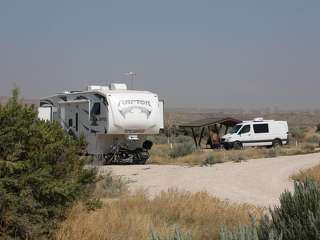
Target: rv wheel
237, 145
276, 143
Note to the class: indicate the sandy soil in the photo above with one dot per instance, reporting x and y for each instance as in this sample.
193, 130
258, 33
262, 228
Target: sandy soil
258, 181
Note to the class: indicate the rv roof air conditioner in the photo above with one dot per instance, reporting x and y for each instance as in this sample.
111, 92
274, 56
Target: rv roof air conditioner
118, 86
97, 88
258, 119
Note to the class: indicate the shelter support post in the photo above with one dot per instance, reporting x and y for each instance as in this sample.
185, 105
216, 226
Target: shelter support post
194, 137
226, 131
201, 135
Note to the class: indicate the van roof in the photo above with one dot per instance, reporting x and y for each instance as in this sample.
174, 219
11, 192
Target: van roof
263, 121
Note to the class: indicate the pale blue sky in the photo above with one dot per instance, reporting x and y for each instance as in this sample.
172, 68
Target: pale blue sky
210, 54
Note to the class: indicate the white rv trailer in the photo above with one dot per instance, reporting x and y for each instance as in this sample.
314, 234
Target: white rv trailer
113, 120
257, 132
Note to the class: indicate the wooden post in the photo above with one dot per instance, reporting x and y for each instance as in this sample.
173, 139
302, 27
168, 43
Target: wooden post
227, 127
217, 131
194, 137
201, 135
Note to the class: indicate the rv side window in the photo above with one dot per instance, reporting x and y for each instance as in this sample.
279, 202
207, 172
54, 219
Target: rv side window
77, 116
245, 129
261, 128
70, 122
95, 109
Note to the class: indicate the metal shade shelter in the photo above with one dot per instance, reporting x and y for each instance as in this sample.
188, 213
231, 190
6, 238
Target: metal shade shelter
209, 123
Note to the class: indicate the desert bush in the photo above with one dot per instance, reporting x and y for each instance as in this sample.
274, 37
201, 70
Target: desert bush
297, 133
296, 218
108, 186
183, 139
313, 173
41, 173
211, 160
313, 138
248, 232
308, 147
182, 149
158, 139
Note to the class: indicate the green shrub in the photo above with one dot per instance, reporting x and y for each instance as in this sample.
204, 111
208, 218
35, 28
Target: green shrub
158, 139
183, 139
211, 160
314, 138
308, 147
250, 232
297, 217
182, 149
41, 173
297, 133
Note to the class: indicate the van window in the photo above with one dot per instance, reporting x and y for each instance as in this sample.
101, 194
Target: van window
70, 122
261, 128
95, 109
235, 129
245, 129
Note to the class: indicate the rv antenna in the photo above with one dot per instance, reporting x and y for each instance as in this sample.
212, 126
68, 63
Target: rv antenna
131, 75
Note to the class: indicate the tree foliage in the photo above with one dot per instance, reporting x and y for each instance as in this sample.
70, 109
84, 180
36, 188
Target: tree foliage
41, 173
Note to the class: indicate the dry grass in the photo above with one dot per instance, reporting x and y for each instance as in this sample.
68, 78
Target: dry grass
159, 154
134, 217
313, 172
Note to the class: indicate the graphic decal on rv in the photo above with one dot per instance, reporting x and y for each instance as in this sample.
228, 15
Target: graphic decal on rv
127, 106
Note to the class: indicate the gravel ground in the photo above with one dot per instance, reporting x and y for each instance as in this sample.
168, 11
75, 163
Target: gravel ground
258, 181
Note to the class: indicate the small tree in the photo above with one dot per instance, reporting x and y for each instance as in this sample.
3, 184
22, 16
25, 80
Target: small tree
41, 173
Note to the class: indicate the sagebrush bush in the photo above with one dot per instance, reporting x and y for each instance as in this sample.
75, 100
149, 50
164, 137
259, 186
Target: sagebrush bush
182, 149
158, 139
211, 160
297, 133
296, 218
41, 173
183, 139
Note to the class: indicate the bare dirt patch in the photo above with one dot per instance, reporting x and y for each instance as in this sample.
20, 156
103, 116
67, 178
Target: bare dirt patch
259, 181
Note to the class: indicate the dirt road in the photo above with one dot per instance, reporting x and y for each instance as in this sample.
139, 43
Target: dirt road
258, 181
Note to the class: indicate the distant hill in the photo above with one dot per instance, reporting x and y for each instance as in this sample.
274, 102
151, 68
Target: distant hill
175, 116
294, 117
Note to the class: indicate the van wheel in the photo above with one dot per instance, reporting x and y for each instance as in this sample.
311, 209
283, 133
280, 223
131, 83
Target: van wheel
276, 143
237, 145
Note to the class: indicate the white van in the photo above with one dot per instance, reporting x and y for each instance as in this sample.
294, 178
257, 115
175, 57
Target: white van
258, 132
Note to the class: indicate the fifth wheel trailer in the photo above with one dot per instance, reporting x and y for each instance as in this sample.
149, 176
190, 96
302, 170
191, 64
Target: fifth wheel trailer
113, 120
